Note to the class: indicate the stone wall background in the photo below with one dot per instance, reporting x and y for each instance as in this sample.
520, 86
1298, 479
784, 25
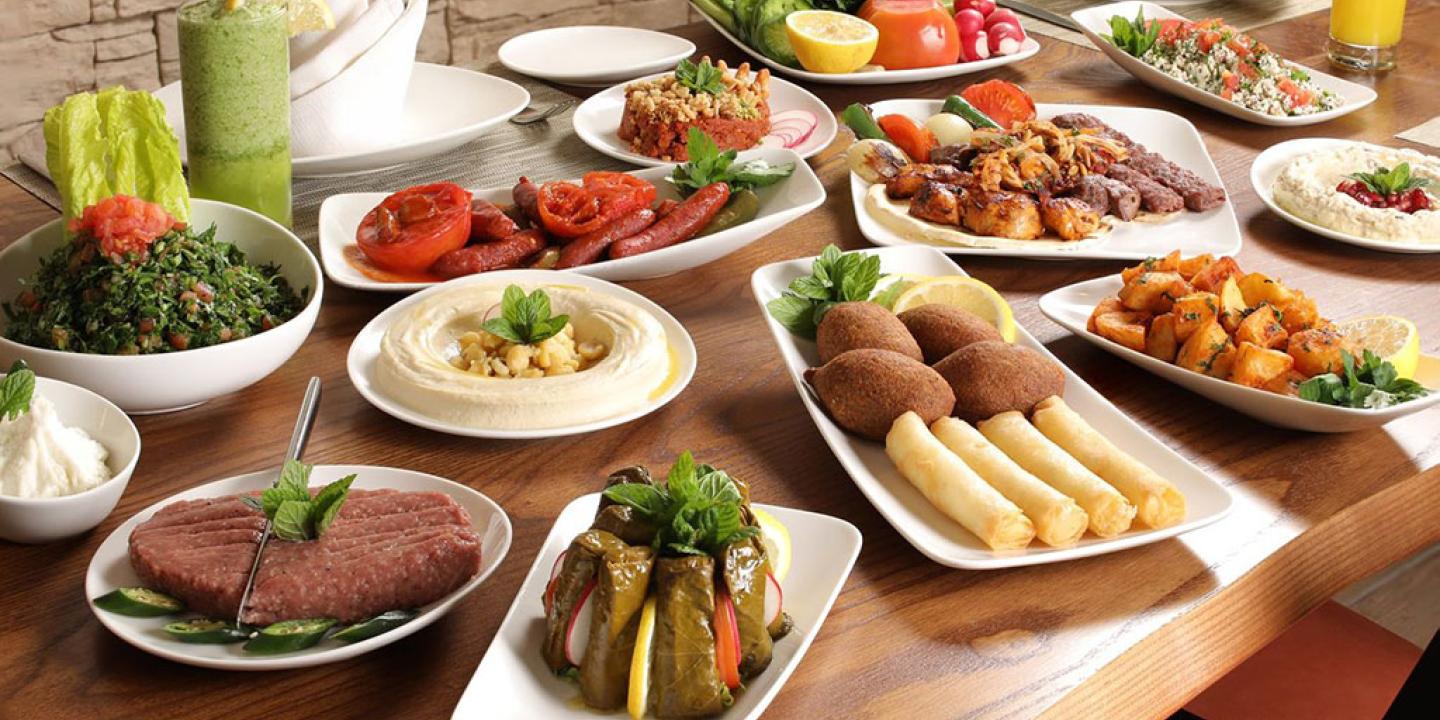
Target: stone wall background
52, 48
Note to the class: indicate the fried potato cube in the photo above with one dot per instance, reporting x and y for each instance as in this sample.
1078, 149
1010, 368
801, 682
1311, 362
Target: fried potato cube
1317, 351
1169, 263
1192, 265
1261, 288
1212, 276
1232, 304
1126, 328
1206, 350
1160, 340
1192, 311
1153, 292
1262, 327
1106, 306
1256, 366
1300, 314
1286, 384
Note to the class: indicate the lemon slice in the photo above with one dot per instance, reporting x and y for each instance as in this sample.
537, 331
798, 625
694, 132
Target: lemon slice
963, 292
638, 697
826, 41
1393, 338
310, 16
777, 542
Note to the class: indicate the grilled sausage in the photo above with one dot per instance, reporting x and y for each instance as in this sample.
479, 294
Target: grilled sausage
1153, 196
680, 225
527, 198
511, 252
587, 248
1199, 195
665, 207
488, 222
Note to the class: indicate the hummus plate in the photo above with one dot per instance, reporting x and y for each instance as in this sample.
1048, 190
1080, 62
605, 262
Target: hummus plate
400, 361
1214, 231
1269, 165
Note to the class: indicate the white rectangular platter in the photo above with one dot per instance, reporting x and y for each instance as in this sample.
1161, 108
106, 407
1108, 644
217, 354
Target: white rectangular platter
781, 203
513, 683
930, 531
1071, 306
1214, 231
1095, 21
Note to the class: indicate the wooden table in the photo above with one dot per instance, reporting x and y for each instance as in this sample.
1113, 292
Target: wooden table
1131, 634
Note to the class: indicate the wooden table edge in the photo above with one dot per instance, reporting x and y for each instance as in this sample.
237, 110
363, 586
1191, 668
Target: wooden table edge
1200, 646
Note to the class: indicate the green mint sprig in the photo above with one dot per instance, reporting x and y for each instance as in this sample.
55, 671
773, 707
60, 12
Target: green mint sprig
708, 165
697, 511
1374, 383
295, 515
1385, 181
16, 390
1135, 37
525, 320
835, 277
702, 77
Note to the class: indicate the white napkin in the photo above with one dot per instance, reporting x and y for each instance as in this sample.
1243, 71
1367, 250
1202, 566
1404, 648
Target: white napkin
360, 106
316, 57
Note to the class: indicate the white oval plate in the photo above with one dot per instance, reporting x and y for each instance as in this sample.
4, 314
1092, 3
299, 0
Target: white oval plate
512, 668
445, 108
1095, 21
883, 77
932, 532
110, 569
597, 120
1270, 163
1214, 231
781, 203
610, 54
365, 352
1071, 306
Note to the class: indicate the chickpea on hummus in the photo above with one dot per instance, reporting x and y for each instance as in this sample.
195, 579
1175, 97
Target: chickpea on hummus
1366, 190
487, 355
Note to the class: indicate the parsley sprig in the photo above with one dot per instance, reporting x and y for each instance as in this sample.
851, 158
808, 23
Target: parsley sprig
1374, 383
835, 277
1385, 181
697, 511
702, 77
1135, 37
525, 320
16, 390
295, 515
708, 165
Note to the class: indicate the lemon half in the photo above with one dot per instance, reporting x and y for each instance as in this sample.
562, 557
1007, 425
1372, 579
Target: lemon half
826, 41
963, 292
777, 542
1393, 338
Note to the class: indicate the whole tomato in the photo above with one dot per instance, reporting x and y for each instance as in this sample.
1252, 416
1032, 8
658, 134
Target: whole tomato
410, 229
913, 33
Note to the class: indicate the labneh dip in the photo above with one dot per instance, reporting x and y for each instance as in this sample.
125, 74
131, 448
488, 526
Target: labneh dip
1307, 187
41, 457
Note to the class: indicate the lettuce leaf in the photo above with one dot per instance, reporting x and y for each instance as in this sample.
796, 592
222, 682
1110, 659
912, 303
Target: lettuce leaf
75, 152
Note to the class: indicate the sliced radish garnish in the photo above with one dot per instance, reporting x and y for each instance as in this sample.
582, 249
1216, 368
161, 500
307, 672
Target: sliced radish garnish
577, 635
550, 586
774, 599
795, 126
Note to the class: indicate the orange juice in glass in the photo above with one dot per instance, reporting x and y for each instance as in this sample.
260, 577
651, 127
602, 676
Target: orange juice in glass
1364, 33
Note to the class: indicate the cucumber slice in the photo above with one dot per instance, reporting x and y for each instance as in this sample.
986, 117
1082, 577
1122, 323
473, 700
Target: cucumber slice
205, 631
288, 636
382, 623
138, 602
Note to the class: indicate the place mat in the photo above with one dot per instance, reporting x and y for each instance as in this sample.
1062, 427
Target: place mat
1426, 133
1243, 14
544, 151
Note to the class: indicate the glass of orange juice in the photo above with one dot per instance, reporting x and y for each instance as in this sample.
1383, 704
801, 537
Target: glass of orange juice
1365, 33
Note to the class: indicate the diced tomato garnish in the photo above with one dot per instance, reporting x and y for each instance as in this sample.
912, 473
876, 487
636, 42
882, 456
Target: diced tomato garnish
1239, 46
1299, 97
122, 224
1232, 83
1249, 71
1004, 102
1207, 40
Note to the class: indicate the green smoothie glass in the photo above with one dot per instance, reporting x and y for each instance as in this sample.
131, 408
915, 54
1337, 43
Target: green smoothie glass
235, 78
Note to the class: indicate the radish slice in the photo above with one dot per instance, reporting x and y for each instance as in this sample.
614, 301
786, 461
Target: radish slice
577, 636
795, 126
774, 599
550, 586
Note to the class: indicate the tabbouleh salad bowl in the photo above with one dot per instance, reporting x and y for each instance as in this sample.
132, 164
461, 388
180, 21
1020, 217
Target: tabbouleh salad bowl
163, 382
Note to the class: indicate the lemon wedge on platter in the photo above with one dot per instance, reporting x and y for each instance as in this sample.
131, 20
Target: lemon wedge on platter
963, 292
638, 697
826, 41
777, 542
1394, 339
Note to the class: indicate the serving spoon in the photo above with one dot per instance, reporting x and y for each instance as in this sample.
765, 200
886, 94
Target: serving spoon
303, 422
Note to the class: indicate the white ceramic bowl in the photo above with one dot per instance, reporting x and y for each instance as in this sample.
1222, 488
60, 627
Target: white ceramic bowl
39, 520
162, 382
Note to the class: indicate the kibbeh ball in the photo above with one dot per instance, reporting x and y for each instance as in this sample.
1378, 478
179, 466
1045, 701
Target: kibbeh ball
863, 325
942, 329
992, 377
865, 390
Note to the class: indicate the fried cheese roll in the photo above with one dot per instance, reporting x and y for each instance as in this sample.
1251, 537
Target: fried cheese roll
953, 488
1157, 501
1059, 521
1110, 513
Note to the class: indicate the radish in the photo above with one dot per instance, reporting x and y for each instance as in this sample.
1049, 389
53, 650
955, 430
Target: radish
1004, 15
550, 586
577, 635
793, 127
774, 599
1005, 39
974, 47
969, 22
984, 7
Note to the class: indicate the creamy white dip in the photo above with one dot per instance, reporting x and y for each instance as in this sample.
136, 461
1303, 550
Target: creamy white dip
1306, 189
41, 457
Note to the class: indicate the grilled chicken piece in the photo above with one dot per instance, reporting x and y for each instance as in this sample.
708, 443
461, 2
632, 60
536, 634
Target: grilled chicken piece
938, 203
1002, 214
1070, 218
912, 177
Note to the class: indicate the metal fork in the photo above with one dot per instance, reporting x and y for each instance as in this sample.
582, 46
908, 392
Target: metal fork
530, 116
